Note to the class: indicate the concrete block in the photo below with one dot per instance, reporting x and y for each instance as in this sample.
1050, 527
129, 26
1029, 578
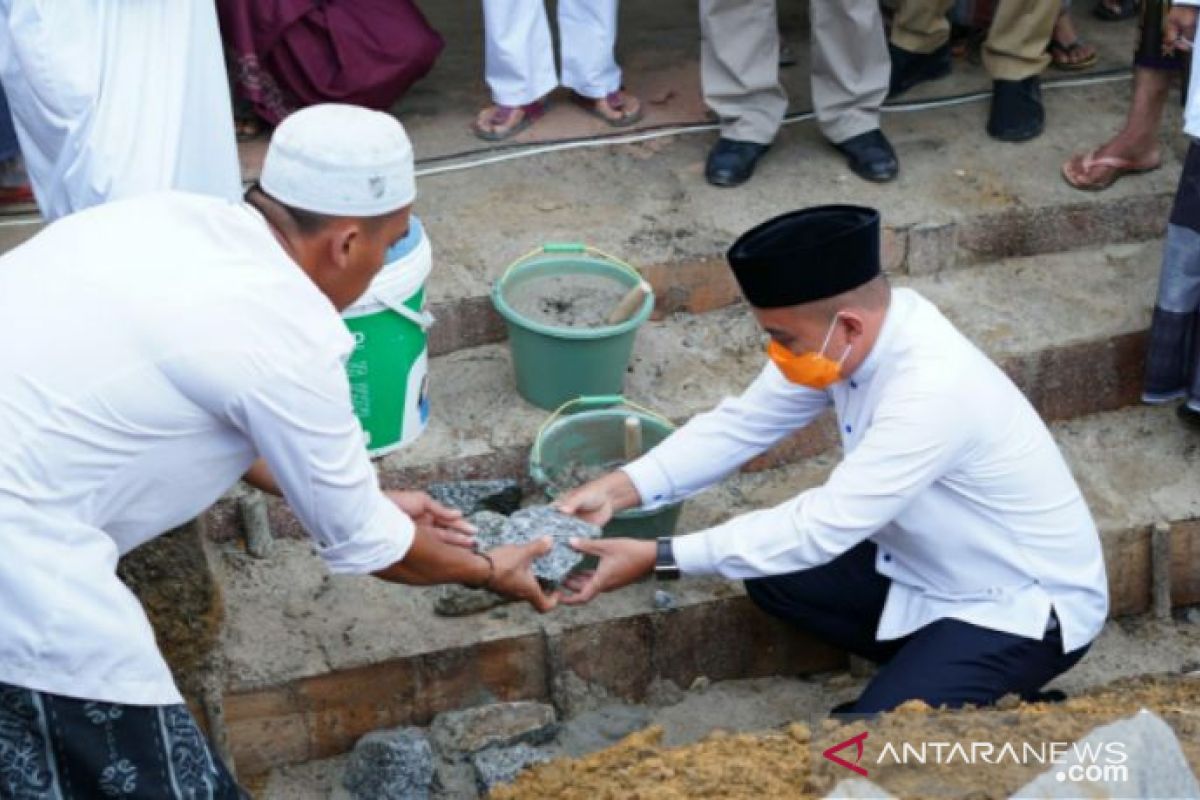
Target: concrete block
494, 725
1156, 765
391, 765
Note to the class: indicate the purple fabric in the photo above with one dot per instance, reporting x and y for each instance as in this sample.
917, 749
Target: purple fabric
287, 54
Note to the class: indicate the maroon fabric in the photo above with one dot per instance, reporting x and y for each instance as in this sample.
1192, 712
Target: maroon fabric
287, 54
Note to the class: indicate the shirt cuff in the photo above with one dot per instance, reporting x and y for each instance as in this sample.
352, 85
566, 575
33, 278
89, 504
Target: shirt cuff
692, 554
383, 541
651, 481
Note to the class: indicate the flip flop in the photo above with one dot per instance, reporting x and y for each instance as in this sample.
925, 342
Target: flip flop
501, 114
1079, 166
615, 101
1058, 50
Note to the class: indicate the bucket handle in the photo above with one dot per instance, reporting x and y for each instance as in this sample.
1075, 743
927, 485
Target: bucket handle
571, 247
586, 402
422, 319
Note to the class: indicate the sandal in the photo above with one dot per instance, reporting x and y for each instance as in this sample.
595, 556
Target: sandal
1077, 171
622, 114
1122, 10
17, 200
497, 123
1067, 56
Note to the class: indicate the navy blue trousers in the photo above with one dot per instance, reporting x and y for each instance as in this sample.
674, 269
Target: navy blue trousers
947, 662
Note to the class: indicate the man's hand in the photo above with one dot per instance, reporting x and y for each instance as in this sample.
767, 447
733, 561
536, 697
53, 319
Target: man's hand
597, 501
622, 561
1179, 32
446, 522
513, 575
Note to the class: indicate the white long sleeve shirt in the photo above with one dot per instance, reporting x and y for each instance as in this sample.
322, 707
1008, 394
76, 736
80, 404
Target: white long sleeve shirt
150, 349
947, 468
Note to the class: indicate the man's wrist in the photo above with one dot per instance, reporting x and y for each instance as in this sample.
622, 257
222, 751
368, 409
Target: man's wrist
665, 566
486, 572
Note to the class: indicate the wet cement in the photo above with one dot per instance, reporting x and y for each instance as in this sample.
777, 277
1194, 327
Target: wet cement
567, 301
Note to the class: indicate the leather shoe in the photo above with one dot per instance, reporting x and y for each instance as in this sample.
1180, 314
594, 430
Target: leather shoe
1017, 114
1188, 416
909, 68
870, 156
731, 163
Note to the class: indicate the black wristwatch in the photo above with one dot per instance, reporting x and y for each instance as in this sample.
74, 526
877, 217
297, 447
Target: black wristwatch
665, 568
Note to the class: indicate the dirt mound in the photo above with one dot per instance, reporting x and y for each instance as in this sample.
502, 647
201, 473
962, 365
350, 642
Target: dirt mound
787, 763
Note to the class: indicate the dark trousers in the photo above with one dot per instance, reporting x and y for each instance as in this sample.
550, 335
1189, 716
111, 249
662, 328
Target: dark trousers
947, 662
60, 748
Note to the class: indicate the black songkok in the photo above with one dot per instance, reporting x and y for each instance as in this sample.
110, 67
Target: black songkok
807, 255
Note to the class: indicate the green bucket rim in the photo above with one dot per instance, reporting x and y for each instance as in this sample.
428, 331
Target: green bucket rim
595, 405
550, 252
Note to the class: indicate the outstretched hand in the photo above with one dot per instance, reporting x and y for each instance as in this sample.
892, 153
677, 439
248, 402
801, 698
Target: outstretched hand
448, 523
622, 561
513, 573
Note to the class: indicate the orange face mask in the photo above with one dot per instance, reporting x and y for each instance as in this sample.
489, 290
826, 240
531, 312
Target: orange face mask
814, 370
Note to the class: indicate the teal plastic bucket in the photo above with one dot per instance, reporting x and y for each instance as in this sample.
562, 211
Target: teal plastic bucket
389, 368
589, 432
554, 364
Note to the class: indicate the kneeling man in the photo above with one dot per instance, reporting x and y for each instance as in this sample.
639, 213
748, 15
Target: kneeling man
951, 544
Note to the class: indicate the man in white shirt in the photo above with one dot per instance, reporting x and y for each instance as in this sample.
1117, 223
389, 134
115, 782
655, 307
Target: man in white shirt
951, 545
153, 349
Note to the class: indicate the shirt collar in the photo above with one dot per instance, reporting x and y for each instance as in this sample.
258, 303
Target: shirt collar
898, 308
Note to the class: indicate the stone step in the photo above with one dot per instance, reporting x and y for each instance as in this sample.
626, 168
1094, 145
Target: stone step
1068, 327
313, 662
962, 199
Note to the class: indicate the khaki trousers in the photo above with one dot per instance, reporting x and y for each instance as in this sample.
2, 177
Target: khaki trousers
739, 67
1015, 48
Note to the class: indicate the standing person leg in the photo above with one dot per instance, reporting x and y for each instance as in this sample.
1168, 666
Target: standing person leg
61, 747
1135, 148
839, 603
588, 37
952, 663
920, 43
16, 196
518, 65
739, 75
1014, 54
850, 72
1174, 351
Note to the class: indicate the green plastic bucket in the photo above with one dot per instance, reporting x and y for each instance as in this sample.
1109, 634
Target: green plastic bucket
389, 367
590, 432
554, 364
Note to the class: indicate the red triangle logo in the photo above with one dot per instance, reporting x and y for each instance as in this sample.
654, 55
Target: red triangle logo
857, 741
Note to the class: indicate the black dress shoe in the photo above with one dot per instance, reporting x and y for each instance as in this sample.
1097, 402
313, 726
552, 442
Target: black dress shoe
1188, 416
870, 156
731, 163
1017, 113
909, 68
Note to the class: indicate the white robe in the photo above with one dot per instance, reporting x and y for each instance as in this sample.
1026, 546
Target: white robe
111, 99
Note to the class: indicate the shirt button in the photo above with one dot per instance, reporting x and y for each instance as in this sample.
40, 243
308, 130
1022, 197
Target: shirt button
887, 556
848, 430
853, 385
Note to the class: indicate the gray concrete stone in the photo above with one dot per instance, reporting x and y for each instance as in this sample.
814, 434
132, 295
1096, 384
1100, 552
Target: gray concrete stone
858, 789
1155, 763
391, 765
502, 765
664, 601
452, 600
497, 725
470, 497
537, 522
